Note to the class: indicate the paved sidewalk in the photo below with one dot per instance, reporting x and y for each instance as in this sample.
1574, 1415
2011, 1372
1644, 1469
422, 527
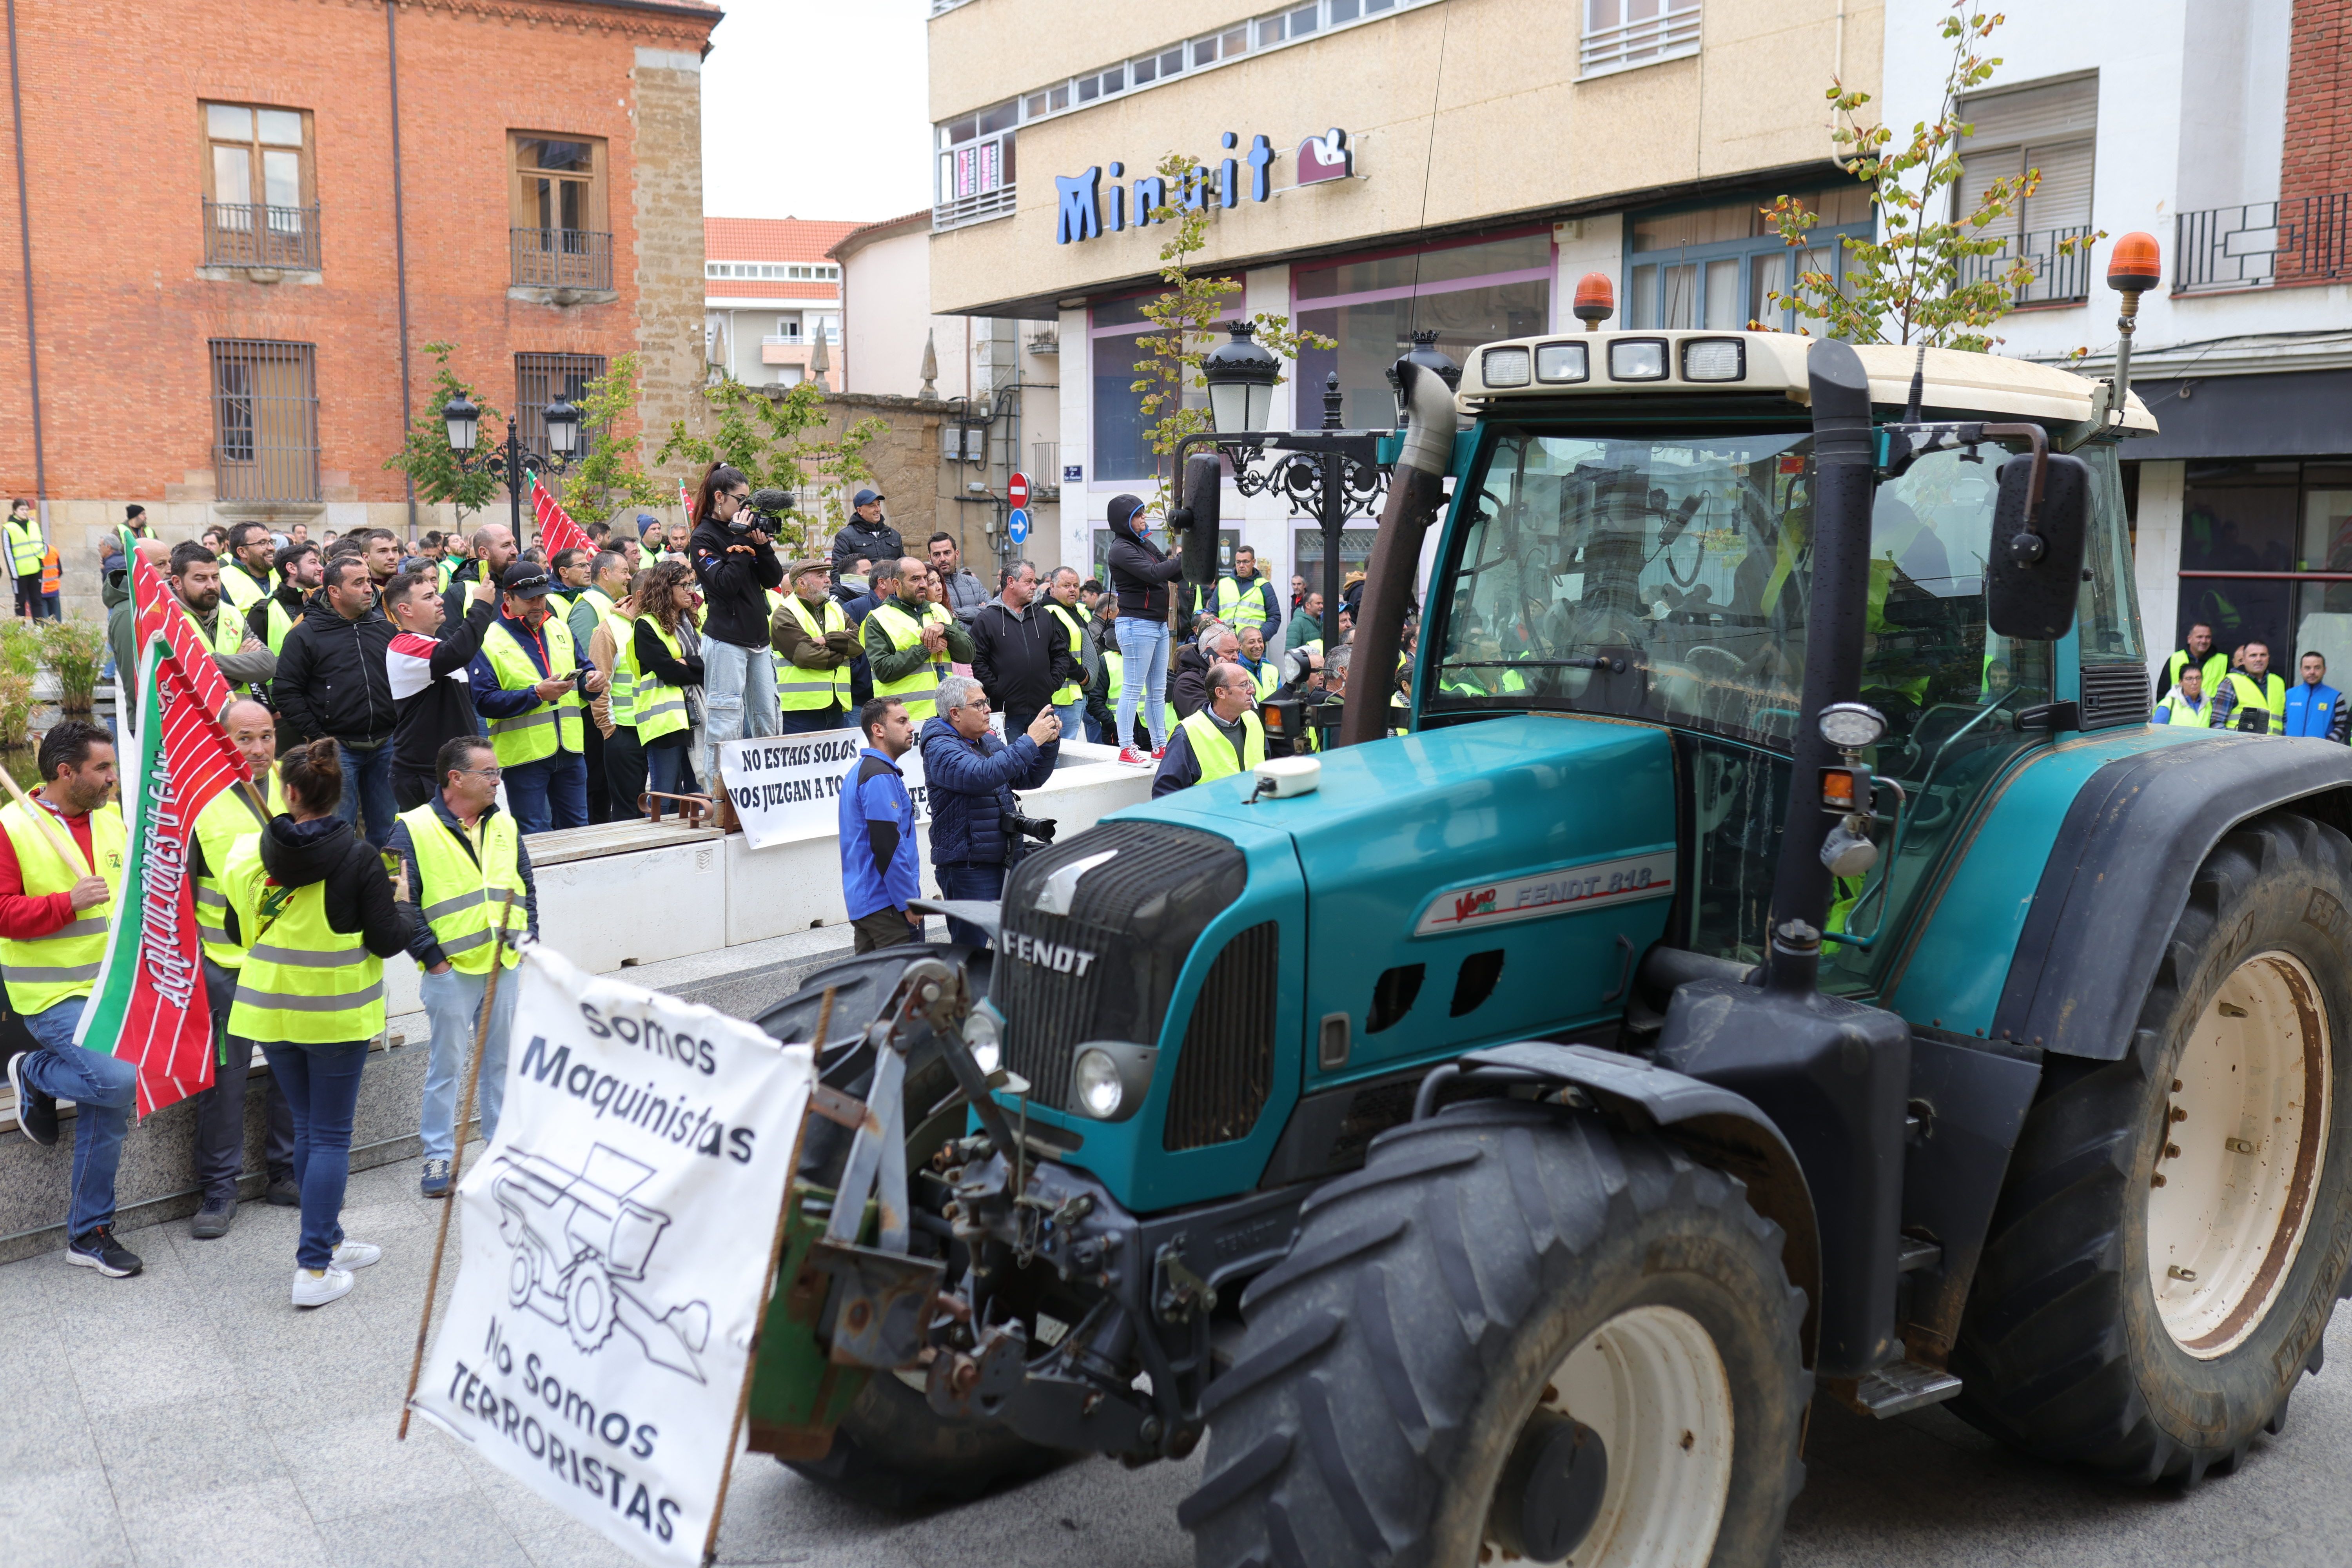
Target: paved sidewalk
192, 1415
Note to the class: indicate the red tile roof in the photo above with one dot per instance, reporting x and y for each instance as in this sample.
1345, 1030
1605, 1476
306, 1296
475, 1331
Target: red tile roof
771, 240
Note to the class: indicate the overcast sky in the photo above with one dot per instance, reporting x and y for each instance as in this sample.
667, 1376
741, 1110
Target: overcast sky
816, 109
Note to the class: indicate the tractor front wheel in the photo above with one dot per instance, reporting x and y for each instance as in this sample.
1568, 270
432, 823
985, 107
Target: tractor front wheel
2176, 1225
1515, 1334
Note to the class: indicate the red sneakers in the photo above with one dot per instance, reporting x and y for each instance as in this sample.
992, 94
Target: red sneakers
1158, 753
1133, 758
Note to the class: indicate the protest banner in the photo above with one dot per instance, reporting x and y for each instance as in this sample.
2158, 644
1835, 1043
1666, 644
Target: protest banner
788, 786
612, 1268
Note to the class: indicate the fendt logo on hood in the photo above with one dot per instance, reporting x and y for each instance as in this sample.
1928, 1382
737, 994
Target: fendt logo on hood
1059, 957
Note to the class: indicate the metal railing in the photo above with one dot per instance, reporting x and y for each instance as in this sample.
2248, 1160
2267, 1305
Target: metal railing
247, 234
1674, 31
265, 420
955, 214
2306, 239
2058, 277
562, 259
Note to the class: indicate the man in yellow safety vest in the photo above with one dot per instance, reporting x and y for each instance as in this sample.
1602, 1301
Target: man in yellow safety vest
2253, 701
1247, 598
814, 645
465, 886
245, 575
530, 683
910, 642
53, 913
1061, 602
1217, 741
219, 1156
195, 577
21, 534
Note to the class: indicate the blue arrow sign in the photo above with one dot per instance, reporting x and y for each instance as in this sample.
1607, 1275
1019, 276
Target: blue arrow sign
1017, 525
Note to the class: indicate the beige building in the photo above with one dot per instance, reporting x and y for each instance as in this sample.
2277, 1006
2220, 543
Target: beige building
1372, 167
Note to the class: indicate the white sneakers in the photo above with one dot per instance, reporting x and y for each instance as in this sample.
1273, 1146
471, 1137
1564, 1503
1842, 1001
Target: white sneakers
317, 1287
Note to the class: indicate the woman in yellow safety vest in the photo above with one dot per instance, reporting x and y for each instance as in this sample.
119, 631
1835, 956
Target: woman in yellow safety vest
314, 911
660, 671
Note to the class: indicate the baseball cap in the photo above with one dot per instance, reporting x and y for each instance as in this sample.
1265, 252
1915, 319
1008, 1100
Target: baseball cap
864, 496
524, 580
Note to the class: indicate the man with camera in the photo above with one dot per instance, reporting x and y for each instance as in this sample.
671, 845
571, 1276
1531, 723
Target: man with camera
532, 684
976, 823
736, 565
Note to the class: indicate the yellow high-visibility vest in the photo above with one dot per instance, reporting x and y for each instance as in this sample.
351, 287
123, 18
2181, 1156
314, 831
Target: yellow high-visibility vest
918, 692
539, 730
1240, 606
25, 547
1071, 691
625, 676
2269, 697
221, 826
465, 901
238, 590
45, 971
660, 707
303, 981
800, 690
1215, 754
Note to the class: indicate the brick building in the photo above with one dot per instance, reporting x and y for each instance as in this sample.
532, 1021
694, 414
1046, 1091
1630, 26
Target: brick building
236, 261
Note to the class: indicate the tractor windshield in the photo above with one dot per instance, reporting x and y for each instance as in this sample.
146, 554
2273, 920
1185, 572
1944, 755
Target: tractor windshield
1669, 579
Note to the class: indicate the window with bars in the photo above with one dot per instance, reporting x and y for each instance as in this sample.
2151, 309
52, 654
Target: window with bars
1622, 34
265, 421
2049, 129
538, 379
261, 205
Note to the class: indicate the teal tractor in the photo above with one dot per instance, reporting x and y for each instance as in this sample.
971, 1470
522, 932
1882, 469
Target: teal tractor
1780, 959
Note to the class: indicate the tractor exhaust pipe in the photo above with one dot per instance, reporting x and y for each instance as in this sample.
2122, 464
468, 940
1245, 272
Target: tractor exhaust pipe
1845, 460
1416, 491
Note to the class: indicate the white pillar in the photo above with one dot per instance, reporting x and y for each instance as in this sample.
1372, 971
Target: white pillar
1077, 511
2155, 559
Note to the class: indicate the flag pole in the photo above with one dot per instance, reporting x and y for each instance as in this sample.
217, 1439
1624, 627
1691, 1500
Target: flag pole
767, 1297
457, 1160
58, 837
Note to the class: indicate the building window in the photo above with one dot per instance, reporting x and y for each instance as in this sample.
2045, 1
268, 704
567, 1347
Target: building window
265, 421
1622, 34
261, 207
2266, 553
538, 378
975, 168
1122, 447
561, 238
1719, 266
1470, 294
2050, 128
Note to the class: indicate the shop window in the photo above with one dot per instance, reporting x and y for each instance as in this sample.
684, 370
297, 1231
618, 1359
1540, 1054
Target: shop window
1122, 447
1469, 294
1719, 267
2262, 548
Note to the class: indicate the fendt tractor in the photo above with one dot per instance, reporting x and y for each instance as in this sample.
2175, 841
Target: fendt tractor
1778, 960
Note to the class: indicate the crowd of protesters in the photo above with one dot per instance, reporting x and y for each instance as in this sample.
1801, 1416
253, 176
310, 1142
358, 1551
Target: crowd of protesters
2202, 687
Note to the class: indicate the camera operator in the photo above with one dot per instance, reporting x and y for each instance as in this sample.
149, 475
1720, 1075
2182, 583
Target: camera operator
736, 565
976, 823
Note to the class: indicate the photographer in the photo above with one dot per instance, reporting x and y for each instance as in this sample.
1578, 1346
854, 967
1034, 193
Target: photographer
976, 823
736, 565
532, 684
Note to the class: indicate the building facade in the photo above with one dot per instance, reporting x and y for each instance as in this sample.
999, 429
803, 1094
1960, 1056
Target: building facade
2224, 129
1373, 168
240, 251
772, 294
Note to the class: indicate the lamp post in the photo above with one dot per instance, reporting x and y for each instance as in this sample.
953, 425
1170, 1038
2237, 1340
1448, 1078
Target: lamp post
511, 461
1330, 474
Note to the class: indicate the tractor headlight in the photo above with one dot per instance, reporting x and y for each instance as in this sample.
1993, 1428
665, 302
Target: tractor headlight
1108, 1079
983, 1033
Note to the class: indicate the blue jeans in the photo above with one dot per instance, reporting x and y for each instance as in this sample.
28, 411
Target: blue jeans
1143, 673
322, 1086
454, 1004
1073, 716
367, 786
739, 698
668, 770
550, 793
102, 1089
809, 721
984, 882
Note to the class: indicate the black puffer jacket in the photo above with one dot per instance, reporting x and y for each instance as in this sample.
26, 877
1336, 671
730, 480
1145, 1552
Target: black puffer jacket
332, 678
1138, 570
358, 894
736, 572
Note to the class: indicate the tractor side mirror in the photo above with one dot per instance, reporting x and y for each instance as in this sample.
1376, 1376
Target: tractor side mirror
2033, 573
1203, 492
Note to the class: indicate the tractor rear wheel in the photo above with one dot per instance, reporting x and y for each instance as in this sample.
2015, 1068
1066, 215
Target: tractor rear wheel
2176, 1225
1515, 1333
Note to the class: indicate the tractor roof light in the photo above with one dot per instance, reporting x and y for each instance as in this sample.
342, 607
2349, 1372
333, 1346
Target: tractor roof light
1560, 362
2135, 265
1714, 359
1596, 300
1637, 359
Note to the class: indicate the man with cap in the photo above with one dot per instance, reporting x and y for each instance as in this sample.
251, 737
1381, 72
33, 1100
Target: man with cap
814, 646
530, 683
866, 534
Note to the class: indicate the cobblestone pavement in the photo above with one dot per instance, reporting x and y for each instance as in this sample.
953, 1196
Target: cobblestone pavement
191, 1416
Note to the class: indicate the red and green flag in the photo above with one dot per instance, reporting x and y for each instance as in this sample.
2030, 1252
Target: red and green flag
149, 1005
557, 532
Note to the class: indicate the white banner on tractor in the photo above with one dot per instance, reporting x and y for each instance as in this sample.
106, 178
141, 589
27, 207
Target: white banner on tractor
614, 1242
788, 786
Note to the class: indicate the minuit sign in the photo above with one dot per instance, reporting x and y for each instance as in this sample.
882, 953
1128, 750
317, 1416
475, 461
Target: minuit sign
1085, 214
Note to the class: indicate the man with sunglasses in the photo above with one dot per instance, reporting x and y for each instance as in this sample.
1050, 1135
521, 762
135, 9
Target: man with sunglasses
466, 888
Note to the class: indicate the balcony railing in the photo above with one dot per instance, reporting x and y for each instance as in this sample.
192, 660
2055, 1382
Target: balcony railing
975, 181
2058, 277
562, 259
244, 234
2305, 240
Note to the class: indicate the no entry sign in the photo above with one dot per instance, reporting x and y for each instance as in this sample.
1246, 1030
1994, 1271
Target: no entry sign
1016, 490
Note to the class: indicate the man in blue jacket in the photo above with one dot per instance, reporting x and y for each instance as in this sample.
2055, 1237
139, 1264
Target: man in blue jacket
880, 874
969, 774
2314, 707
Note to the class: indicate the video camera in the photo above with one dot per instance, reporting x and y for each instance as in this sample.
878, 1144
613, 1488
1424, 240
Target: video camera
765, 511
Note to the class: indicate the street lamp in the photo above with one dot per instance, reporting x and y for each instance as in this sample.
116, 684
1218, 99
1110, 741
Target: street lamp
1241, 373
511, 461
1429, 356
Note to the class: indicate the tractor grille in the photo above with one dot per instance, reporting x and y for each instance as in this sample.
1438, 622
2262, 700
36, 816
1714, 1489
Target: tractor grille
1104, 971
1225, 1067
2114, 694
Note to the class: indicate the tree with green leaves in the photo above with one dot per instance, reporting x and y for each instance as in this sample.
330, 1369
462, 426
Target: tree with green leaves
1185, 319
425, 456
610, 476
1923, 279
783, 437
